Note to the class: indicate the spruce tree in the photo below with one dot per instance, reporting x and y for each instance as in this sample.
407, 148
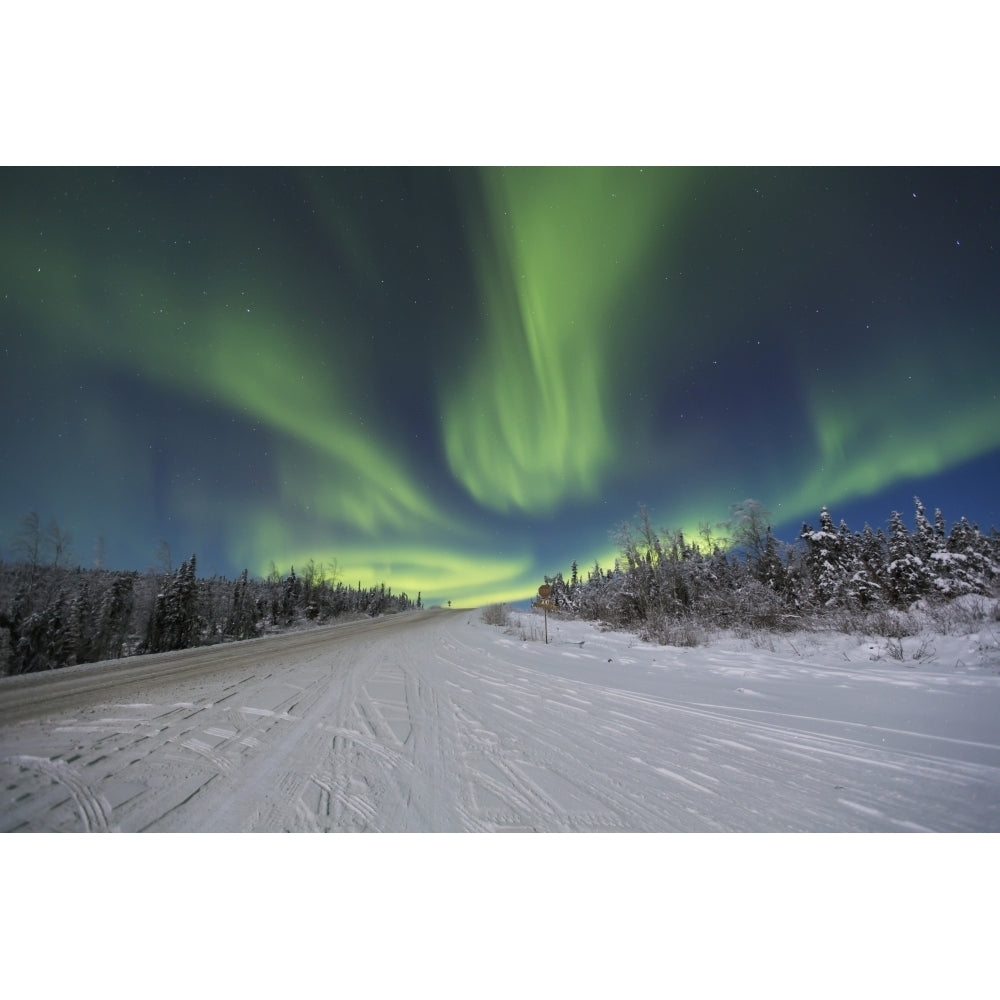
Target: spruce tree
869, 568
824, 559
908, 577
114, 617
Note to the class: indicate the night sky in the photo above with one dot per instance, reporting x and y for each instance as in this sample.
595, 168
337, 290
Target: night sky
457, 381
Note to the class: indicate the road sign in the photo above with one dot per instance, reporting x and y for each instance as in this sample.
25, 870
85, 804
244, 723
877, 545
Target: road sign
545, 592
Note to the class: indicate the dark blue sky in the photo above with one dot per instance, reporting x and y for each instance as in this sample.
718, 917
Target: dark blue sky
460, 380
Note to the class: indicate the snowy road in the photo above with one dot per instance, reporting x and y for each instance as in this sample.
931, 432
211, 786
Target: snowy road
434, 721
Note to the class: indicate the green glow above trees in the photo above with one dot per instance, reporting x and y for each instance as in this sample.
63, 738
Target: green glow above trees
887, 419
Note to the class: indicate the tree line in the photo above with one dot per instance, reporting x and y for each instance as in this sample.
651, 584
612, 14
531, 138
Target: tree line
54, 615
666, 586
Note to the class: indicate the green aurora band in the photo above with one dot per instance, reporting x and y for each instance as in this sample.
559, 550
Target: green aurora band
534, 412
526, 425
883, 422
242, 353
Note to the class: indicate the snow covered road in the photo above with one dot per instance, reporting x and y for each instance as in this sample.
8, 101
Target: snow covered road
433, 721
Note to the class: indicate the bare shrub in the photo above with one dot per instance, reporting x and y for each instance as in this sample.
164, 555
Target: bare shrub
496, 614
969, 611
960, 616
941, 618
672, 632
849, 621
526, 632
759, 638
763, 640
758, 606
893, 624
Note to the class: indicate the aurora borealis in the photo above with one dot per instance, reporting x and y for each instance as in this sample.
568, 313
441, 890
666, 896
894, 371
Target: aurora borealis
457, 381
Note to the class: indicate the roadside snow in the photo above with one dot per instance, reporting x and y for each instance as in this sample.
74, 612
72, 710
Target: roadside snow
448, 724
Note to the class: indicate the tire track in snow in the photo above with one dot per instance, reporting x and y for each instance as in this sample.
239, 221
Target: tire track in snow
94, 811
396, 762
339, 775
759, 775
275, 771
225, 747
382, 734
253, 729
543, 781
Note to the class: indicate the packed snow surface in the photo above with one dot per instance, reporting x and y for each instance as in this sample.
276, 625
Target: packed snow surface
435, 721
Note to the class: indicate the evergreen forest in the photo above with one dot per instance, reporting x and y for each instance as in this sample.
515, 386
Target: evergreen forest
54, 615
675, 590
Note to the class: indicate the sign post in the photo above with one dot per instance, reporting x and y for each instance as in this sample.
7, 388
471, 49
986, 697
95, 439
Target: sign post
545, 592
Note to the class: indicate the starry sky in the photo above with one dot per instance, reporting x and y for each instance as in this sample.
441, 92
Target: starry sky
459, 380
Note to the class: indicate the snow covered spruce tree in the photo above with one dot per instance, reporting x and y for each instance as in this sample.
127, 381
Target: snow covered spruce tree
80, 636
970, 560
866, 569
174, 621
908, 577
242, 620
114, 618
827, 562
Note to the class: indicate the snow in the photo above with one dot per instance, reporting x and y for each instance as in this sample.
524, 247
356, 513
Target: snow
440, 722
445, 724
